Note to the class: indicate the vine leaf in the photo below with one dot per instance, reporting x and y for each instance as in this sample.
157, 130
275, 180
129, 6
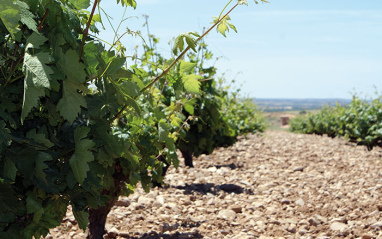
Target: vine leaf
224, 25
131, 3
81, 218
189, 37
163, 131
82, 156
39, 138
69, 64
9, 171
34, 207
129, 88
27, 17
241, 2
37, 73
10, 16
40, 165
80, 4
191, 83
186, 67
9, 202
72, 101
189, 107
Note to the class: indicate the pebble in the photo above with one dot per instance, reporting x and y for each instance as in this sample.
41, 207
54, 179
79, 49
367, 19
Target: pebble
297, 169
376, 225
227, 214
292, 228
236, 208
165, 227
338, 226
285, 201
313, 221
113, 232
367, 237
122, 202
300, 202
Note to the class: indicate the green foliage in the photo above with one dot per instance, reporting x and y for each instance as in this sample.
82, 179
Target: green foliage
189, 38
359, 122
75, 126
224, 25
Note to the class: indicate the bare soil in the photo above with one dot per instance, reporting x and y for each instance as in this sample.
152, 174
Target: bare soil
279, 185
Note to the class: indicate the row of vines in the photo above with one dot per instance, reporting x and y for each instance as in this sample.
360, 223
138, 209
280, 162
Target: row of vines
359, 122
80, 126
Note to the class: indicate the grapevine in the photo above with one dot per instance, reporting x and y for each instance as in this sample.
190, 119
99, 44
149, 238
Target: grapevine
75, 126
359, 122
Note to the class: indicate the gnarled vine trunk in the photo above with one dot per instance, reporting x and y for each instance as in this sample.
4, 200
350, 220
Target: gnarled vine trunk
97, 220
98, 216
187, 158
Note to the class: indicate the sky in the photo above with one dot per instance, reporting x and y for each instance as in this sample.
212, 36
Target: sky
283, 49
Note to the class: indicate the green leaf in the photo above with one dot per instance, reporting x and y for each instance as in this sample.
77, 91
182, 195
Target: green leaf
133, 159
34, 207
32, 95
5, 136
74, 70
186, 67
80, 4
82, 218
189, 37
9, 170
10, 16
121, 73
82, 156
39, 138
130, 3
91, 52
189, 107
37, 74
222, 28
27, 17
163, 130
129, 88
72, 101
191, 83
40, 165
8, 200
241, 2
115, 65
232, 26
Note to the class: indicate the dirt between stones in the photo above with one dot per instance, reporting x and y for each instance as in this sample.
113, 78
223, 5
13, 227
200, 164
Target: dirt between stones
279, 185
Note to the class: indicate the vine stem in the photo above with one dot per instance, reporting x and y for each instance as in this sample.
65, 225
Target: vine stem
87, 28
43, 20
119, 114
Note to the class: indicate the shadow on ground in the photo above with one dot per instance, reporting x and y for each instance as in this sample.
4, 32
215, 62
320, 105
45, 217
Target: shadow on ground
176, 235
204, 188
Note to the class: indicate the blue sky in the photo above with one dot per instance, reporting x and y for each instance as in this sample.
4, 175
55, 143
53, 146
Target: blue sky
284, 49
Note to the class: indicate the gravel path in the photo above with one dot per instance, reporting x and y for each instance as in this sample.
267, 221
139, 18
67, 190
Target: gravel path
279, 185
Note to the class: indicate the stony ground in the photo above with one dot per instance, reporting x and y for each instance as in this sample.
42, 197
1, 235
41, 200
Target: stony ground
279, 185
